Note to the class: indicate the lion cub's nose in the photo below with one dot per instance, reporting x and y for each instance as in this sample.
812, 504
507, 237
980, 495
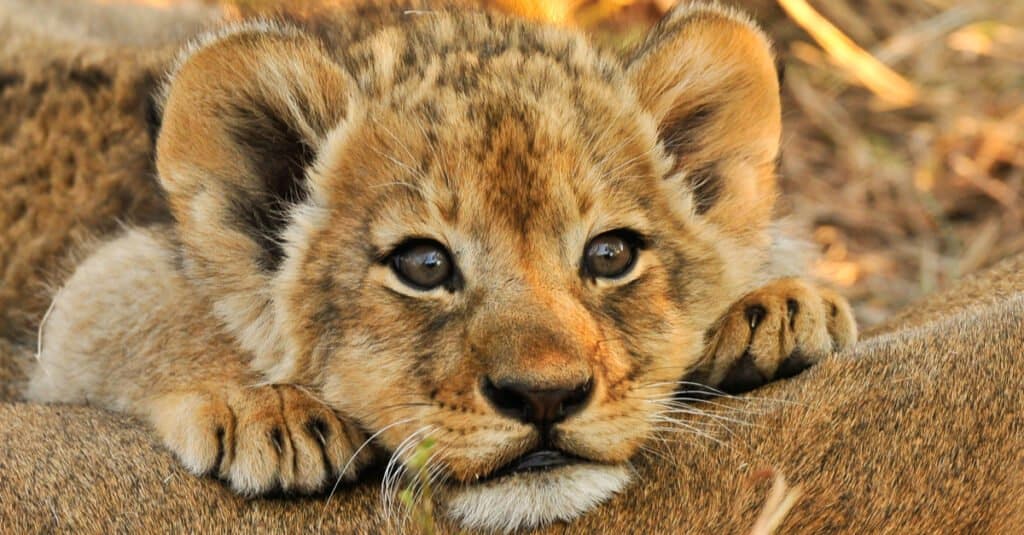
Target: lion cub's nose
540, 407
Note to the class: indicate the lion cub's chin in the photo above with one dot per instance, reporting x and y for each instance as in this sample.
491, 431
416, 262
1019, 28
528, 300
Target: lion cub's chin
531, 499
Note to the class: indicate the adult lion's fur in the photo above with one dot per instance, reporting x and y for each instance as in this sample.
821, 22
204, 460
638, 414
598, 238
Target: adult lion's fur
917, 429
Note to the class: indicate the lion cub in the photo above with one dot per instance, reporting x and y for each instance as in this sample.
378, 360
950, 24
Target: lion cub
414, 221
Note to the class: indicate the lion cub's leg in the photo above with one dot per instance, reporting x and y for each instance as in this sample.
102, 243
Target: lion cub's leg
128, 333
775, 332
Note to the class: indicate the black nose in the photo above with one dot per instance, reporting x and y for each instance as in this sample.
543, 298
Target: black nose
540, 407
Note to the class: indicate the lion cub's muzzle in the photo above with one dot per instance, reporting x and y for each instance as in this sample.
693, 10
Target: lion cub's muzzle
542, 408
549, 481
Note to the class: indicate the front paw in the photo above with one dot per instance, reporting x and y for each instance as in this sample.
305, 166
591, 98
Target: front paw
775, 332
260, 439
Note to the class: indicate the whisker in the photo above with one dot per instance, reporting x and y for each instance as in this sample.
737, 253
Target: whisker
704, 390
689, 429
424, 481
355, 454
724, 406
695, 403
720, 412
392, 469
715, 417
711, 415
396, 468
665, 417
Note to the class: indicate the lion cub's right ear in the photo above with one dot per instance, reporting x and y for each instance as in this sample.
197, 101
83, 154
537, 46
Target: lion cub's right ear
245, 115
707, 75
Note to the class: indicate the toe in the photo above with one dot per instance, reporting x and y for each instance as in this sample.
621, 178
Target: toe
772, 339
196, 426
840, 323
263, 447
307, 424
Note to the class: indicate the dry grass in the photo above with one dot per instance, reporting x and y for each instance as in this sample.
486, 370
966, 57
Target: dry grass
903, 200
904, 142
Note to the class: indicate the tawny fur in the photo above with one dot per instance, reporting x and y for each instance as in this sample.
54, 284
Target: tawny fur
263, 338
916, 429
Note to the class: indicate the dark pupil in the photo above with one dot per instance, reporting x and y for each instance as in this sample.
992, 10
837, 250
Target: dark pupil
609, 256
423, 265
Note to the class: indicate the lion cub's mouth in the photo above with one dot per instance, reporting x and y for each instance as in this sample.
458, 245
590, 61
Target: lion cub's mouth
539, 460
535, 489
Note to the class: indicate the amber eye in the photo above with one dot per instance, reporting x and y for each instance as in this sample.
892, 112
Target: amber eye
422, 264
611, 254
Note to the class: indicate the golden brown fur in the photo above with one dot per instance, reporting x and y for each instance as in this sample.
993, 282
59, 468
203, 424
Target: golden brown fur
265, 337
915, 430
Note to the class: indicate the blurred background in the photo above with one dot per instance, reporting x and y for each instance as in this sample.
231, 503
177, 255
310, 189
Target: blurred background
903, 150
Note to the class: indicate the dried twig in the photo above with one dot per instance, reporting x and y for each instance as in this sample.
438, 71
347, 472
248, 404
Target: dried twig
777, 505
889, 86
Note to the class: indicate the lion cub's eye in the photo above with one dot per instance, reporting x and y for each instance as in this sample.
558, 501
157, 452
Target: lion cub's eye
422, 264
611, 255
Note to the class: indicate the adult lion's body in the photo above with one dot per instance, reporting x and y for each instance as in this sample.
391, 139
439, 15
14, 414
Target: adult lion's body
916, 429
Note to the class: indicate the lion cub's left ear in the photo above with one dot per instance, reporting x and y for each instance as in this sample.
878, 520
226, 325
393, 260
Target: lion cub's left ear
708, 77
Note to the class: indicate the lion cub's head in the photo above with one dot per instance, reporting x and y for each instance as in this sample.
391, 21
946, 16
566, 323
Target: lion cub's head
475, 229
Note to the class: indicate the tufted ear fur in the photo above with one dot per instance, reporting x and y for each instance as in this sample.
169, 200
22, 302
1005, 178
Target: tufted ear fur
708, 77
244, 116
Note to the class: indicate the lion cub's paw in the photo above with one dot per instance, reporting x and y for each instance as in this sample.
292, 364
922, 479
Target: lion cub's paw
260, 439
777, 331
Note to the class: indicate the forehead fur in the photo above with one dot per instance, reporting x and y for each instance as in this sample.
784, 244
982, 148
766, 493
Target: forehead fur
480, 119
397, 121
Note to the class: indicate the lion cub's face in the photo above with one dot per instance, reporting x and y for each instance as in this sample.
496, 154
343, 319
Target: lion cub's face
513, 247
